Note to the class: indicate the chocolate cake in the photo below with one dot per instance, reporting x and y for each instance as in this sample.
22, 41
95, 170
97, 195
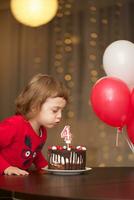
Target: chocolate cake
63, 158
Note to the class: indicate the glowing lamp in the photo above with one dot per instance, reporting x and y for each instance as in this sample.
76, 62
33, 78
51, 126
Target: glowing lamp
34, 12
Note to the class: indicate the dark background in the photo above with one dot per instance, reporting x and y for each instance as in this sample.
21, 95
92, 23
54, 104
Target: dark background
70, 47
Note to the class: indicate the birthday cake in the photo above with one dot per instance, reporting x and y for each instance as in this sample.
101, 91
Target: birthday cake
66, 157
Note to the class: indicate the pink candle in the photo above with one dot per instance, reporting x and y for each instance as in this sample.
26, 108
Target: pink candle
66, 134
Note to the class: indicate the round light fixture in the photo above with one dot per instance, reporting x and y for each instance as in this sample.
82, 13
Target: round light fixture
34, 12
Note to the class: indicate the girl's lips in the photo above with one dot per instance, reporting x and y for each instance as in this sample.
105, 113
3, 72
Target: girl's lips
53, 124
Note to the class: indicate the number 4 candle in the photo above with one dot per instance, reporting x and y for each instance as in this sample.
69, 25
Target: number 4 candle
66, 134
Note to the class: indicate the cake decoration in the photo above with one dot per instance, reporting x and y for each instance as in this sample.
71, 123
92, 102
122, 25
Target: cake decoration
66, 157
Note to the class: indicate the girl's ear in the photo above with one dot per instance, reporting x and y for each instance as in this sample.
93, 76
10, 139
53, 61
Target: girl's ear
35, 109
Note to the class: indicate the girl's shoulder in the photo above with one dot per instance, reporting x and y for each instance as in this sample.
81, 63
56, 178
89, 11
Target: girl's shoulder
15, 119
11, 124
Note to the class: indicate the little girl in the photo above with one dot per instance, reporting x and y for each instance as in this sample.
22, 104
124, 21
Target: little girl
22, 136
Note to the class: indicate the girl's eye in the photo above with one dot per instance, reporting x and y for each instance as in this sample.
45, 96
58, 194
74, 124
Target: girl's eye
55, 111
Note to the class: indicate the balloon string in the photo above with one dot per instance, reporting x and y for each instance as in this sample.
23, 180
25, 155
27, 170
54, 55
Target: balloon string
117, 139
130, 144
119, 130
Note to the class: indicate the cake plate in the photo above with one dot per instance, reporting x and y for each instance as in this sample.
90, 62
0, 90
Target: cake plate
67, 172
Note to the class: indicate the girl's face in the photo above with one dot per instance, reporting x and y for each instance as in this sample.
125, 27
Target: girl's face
50, 113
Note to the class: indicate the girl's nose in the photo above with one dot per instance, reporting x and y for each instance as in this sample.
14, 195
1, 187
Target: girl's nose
59, 115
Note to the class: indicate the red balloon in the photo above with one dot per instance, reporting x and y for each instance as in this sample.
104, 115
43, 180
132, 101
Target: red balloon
111, 101
130, 129
130, 121
132, 98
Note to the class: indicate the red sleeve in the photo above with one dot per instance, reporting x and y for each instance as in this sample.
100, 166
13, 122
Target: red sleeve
7, 133
3, 165
40, 161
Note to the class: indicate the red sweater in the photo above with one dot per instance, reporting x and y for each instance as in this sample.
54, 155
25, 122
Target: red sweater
20, 146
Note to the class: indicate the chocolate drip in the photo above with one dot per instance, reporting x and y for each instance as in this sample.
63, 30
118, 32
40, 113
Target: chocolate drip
66, 159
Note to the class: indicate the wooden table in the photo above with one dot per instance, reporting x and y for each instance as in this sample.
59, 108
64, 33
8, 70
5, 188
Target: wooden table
100, 183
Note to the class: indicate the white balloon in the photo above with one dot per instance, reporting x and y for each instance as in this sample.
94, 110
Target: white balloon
118, 61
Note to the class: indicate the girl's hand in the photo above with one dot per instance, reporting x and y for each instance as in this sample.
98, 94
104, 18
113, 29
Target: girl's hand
15, 171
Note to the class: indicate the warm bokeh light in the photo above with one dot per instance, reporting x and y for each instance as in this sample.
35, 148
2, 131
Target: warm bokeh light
34, 12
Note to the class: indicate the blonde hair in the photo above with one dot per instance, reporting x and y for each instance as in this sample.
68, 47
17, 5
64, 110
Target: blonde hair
36, 92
